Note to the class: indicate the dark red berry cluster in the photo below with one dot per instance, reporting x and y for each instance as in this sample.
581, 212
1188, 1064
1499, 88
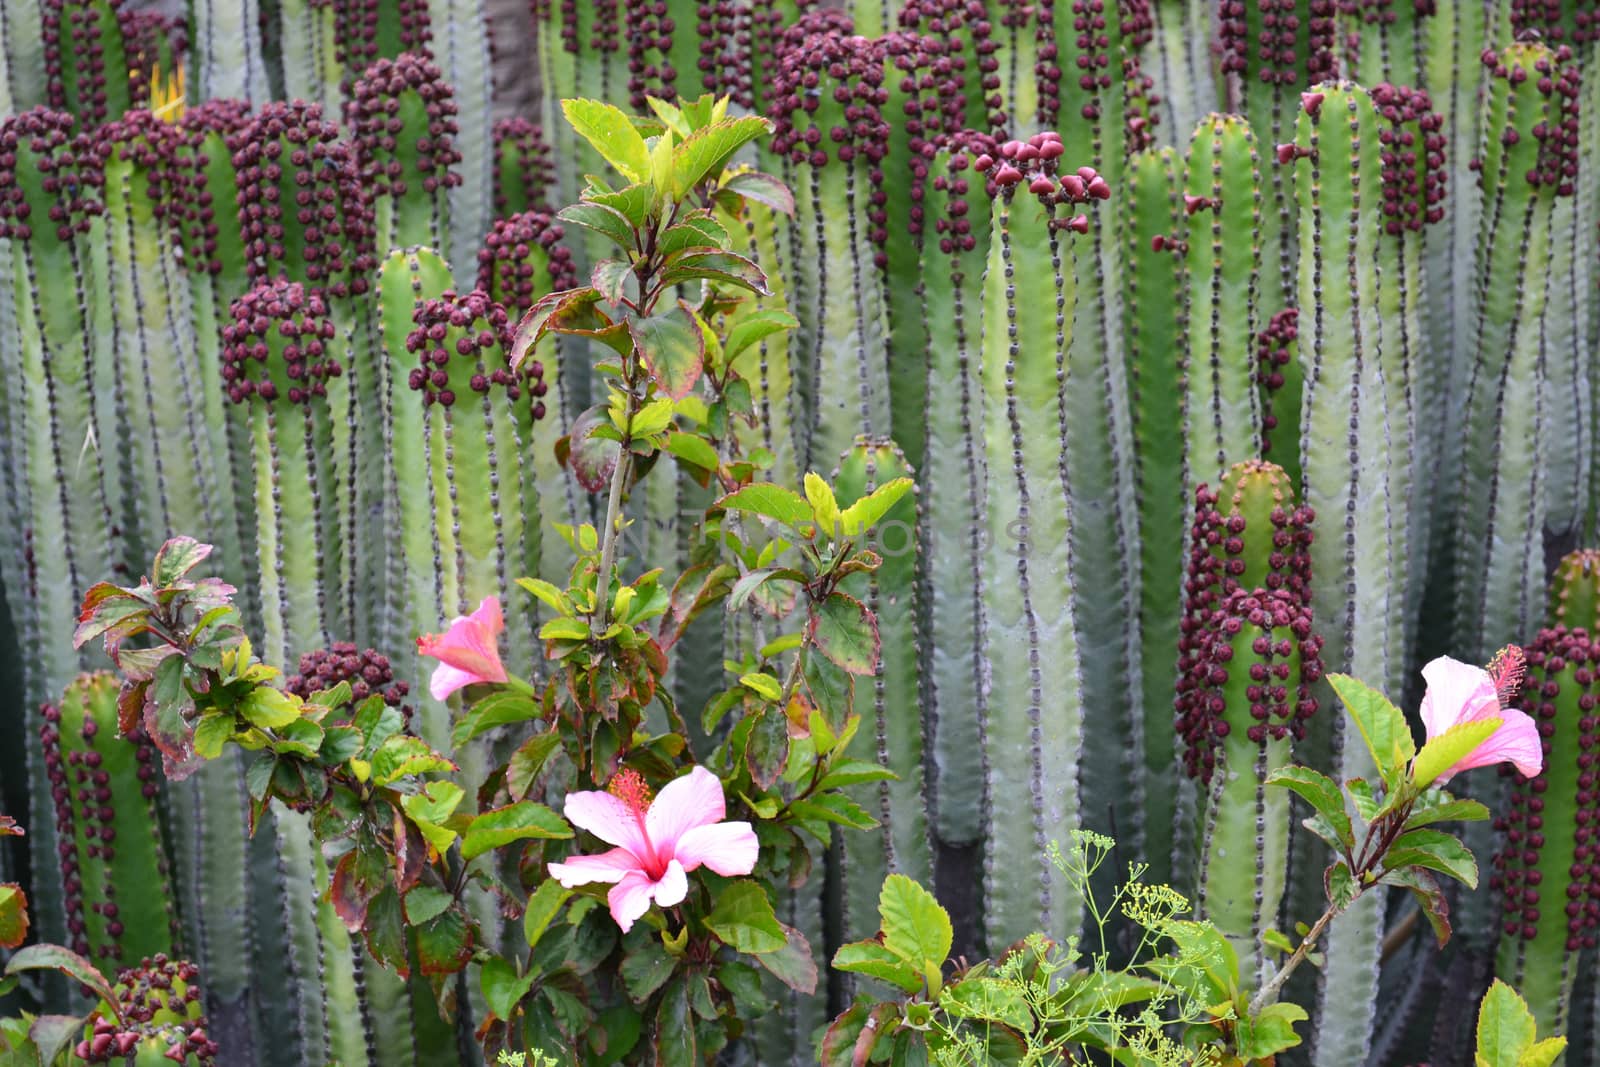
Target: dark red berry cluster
75, 72
367, 671
723, 28
301, 198
1279, 625
1035, 161
965, 27
160, 999
144, 32
1217, 545
1412, 154
1277, 44
373, 113
482, 337
929, 72
77, 773
296, 314
650, 73
769, 24
819, 59
224, 118
356, 31
1274, 350
952, 226
158, 150
525, 171
506, 266
1558, 133
40, 142
1526, 826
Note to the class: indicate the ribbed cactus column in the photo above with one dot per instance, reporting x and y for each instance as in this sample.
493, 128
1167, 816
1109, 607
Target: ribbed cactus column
1180, 62
1355, 423
312, 58
86, 63
227, 40
1222, 239
158, 381
1029, 711
22, 60
104, 787
1248, 659
1548, 869
403, 119
62, 488
892, 730
970, 45
770, 367
1154, 313
663, 39
460, 47
1506, 426
844, 370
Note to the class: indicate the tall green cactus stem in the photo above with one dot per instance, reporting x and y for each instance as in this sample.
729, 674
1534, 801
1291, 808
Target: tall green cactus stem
893, 737
1575, 591
1221, 407
953, 261
769, 367
460, 46
1384, 41
663, 45
1270, 50
86, 63
158, 381
924, 106
1547, 871
214, 253
846, 373
22, 57
402, 115
1282, 381
113, 863
1253, 659
48, 199
1029, 711
524, 171
1152, 323
1506, 427
1354, 425
312, 58
231, 60
1181, 63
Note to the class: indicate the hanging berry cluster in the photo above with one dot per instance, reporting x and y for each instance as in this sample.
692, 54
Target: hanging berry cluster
468, 331
1277, 45
40, 142
82, 51
1034, 161
1547, 811
374, 115
928, 74
148, 36
650, 28
1283, 663
965, 28
277, 345
505, 264
303, 207
526, 171
78, 778
160, 999
953, 227
723, 29
224, 118
161, 153
367, 670
357, 25
1274, 350
1413, 160
821, 63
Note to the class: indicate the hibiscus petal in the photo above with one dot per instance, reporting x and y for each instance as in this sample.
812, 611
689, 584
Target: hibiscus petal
684, 803
610, 866
471, 644
729, 848
630, 898
447, 679
1457, 693
673, 887
609, 819
489, 617
1517, 741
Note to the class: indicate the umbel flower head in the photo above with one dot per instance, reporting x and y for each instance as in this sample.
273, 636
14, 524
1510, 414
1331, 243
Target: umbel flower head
658, 842
1461, 693
468, 652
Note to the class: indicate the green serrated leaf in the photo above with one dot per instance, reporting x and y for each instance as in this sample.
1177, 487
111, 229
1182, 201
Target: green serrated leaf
843, 630
871, 958
612, 134
1322, 793
672, 347
915, 927
705, 152
865, 513
743, 917
1506, 1028
770, 501
1435, 851
518, 821
1382, 725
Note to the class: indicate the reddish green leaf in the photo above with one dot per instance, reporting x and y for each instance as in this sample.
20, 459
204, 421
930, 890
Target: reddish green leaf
761, 188
793, 964
13, 915
673, 348
69, 963
444, 943
844, 631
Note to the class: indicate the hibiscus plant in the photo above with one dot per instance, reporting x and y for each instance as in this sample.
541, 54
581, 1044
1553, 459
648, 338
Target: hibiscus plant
643, 858
1042, 1003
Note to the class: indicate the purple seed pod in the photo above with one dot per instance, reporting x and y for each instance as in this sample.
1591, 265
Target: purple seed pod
461, 341
367, 671
1275, 347
515, 252
49, 179
524, 170
159, 999
161, 153
86, 68
964, 29
278, 345
1413, 157
356, 31
397, 152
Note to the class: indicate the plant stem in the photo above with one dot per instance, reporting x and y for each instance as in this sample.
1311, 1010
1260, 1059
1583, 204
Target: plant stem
608, 547
1269, 991
793, 680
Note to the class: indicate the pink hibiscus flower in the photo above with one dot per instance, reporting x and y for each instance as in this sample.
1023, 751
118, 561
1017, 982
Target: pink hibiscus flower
468, 652
657, 842
1460, 693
